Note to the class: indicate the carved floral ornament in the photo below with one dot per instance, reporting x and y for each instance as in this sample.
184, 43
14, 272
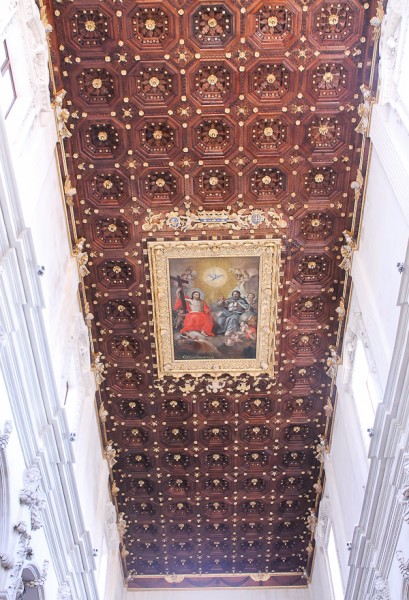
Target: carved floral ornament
64, 592
212, 25
5, 436
364, 110
37, 582
347, 251
61, 114
380, 589
403, 564
184, 113
32, 496
403, 494
17, 586
245, 218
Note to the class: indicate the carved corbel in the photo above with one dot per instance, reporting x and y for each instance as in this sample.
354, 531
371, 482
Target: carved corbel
340, 310
44, 20
6, 561
4, 438
321, 449
357, 185
110, 454
3, 336
175, 578
381, 589
64, 592
32, 496
403, 499
347, 251
61, 115
260, 576
364, 110
98, 367
332, 363
328, 408
81, 256
88, 316
121, 525
376, 20
69, 191
103, 413
312, 520
403, 565
24, 552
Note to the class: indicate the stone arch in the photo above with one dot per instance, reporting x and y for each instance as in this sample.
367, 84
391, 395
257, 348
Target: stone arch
31, 573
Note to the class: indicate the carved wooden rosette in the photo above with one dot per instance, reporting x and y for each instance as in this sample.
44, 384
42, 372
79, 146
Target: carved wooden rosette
214, 125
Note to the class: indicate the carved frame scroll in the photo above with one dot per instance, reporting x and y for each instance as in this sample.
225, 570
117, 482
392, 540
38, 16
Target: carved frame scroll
160, 253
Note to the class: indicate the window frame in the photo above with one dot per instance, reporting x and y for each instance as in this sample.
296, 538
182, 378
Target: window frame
330, 563
325, 525
356, 335
5, 68
368, 381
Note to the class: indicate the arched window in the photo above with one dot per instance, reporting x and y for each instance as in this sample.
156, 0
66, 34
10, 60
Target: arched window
31, 574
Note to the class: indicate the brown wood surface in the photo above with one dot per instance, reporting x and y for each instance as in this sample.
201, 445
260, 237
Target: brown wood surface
163, 104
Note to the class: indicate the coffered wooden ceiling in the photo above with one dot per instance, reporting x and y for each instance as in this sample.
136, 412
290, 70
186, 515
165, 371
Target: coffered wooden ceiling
250, 108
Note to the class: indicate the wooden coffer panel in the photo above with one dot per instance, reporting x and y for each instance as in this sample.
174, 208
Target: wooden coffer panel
229, 106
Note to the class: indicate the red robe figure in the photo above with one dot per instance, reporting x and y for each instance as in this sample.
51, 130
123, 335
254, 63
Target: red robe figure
198, 317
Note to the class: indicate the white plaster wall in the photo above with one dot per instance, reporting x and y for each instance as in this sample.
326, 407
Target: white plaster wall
76, 473
366, 483
254, 594
345, 489
383, 242
319, 588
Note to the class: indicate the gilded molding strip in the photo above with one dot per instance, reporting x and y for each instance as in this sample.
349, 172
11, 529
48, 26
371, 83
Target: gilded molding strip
245, 218
268, 252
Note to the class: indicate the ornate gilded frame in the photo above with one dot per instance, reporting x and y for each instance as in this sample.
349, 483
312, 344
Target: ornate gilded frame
159, 254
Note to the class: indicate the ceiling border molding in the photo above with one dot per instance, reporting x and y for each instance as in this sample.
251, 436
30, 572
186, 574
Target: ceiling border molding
118, 274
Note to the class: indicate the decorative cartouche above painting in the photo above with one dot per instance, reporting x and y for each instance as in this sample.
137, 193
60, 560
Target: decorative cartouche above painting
215, 306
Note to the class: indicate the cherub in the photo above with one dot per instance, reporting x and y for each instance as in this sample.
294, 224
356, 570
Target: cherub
328, 408
332, 363
62, 114
340, 310
69, 190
